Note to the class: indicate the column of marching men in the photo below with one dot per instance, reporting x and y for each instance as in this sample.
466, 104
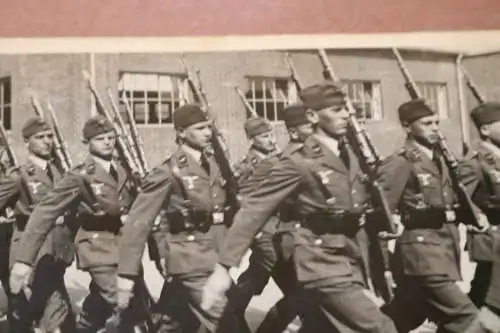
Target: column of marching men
305, 211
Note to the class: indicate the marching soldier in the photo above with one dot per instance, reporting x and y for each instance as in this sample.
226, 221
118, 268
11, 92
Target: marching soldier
254, 279
6, 231
419, 188
480, 173
21, 189
100, 191
190, 188
324, 178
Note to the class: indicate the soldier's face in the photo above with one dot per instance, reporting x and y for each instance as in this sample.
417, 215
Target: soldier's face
197, 135
103, 145
301, 132
41, 144
333, 120
425, 130
265, 142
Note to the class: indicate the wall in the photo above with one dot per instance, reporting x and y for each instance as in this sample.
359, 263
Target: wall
59, 77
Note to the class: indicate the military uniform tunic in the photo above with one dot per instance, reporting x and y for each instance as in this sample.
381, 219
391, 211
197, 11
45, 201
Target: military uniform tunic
427, 253
480, 173
100, 202
21, 190
326, 253
194, 201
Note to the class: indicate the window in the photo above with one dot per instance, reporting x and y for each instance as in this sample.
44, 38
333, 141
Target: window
435, 94
269, 96
6, 102
366, 97
152, 96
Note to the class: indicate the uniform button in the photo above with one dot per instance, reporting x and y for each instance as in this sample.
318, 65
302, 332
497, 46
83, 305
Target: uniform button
120, 197
95, 235
259, 235
494, 228
356, 205
420, 238
190, 238
318, 241
353, 191
296, 225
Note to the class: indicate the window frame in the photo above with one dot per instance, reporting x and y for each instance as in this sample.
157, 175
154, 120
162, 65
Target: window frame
172, 75
443, 114
292, 94
381, 115
3, 105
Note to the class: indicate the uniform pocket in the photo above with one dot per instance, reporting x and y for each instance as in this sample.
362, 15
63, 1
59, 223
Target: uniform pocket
97, 249
190, 253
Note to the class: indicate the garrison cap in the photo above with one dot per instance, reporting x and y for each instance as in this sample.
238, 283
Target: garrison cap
323, 95
33, 126
413, 110
295, 115
95, 126
256, 125
486, 113
187, 115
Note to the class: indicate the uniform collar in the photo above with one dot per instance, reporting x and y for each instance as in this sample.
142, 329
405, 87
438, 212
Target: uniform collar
423, 149
194, 153
331, 143
106, 165
38, 161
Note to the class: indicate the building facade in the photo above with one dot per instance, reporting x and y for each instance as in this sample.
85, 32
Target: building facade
155, 84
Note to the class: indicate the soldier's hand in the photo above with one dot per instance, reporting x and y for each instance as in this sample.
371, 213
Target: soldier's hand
215, 288
489, 320
124, 287
398, 226
484, 225
19, 277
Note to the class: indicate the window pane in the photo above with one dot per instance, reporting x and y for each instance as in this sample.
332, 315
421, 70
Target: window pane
365, 95
6, 87
268, 96
140, 113
7, 118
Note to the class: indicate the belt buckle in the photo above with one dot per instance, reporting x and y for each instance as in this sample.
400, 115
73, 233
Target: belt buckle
450, 214
218, 217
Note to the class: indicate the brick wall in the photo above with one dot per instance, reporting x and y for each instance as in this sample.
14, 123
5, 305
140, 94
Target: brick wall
59, 76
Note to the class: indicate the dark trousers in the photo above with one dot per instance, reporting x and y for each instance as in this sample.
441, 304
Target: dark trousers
435, 297
49, 305
481, 283
185, 297
100, 303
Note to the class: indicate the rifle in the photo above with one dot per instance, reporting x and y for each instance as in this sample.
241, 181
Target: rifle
244, 100
467, 207
293, 71
370, 161
221, 152
61, 147
126, 138
125, 155
135, 134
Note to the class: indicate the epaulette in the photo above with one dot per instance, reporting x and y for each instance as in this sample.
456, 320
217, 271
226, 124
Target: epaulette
412, 155
254, 161
14, 171
290, 151
489, 158
316, 150
182, 161
30, 169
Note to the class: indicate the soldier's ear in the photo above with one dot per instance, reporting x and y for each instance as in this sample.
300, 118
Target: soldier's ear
484, 130
292, 131
312, 116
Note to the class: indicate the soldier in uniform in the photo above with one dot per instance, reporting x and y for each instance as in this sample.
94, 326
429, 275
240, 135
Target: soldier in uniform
20, 190
190, 188
100, 191
6, 231
252, 281
324, 178
419, 189
480, 173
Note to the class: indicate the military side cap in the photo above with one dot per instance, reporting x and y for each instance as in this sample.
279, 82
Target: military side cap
33, 126
320, 96
256, 125
413, 110
295, 115
95, 126
187, 115
486, 113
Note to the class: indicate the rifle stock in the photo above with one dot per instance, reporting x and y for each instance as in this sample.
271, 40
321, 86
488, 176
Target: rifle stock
468, 210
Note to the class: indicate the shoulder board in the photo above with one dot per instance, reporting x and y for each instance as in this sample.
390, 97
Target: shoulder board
412, 155
182, 161
14, 171
488, 157
293, 150
254, 161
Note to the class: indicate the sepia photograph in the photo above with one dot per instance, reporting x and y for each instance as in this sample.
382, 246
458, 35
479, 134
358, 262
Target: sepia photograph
250, 184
